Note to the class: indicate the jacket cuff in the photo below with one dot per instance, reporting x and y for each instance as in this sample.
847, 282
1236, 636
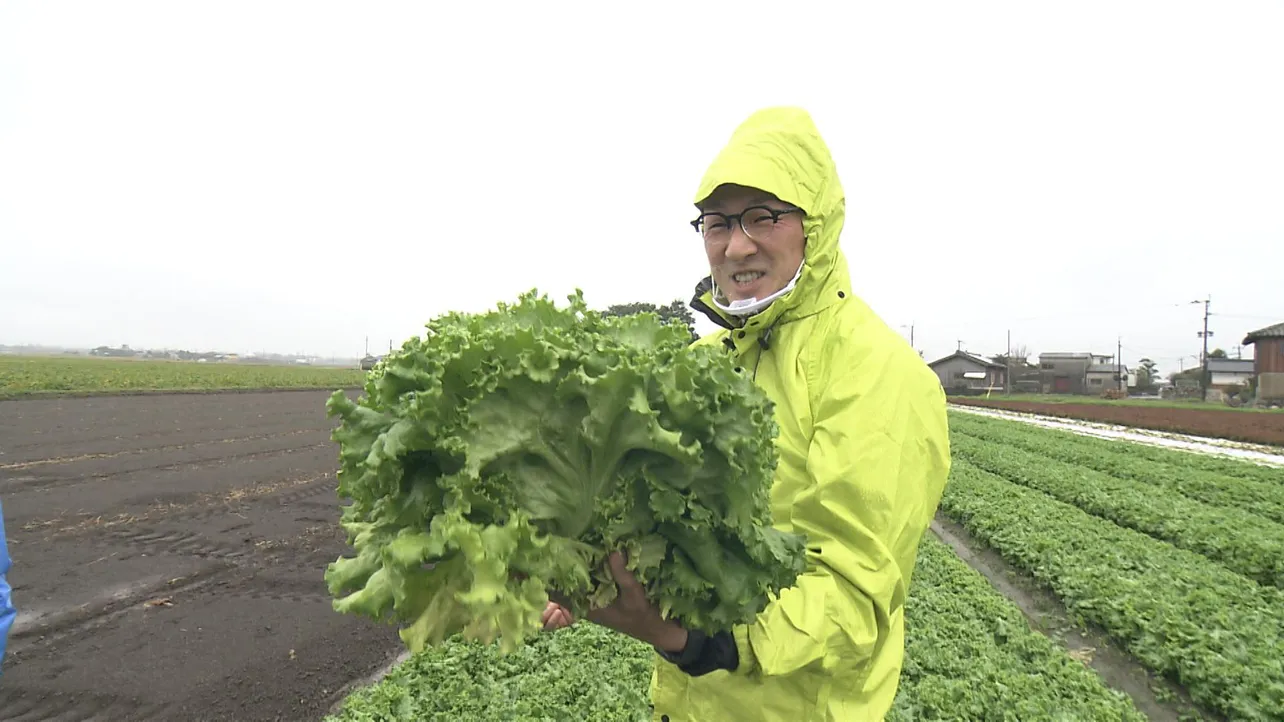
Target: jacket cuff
704, 654
748, 661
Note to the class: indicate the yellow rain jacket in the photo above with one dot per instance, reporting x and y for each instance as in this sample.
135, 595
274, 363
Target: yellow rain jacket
864, 454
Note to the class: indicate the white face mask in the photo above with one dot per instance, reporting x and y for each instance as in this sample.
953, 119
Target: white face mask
750, 306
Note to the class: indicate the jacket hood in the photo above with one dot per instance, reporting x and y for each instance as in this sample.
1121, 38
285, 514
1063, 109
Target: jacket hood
779, 150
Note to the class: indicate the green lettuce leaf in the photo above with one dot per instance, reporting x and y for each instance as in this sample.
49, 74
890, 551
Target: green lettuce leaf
505, 454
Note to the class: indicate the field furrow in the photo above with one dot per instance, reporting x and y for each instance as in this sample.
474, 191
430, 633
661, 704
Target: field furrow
970, 651
1243, 542
1213, 631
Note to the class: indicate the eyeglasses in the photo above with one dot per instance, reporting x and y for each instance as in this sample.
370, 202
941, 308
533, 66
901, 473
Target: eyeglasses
758, 223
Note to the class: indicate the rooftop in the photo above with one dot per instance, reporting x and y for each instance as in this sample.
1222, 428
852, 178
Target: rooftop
1230, 365
968, 357
1276, 331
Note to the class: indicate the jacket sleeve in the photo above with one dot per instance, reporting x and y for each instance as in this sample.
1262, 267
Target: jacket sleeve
877, 463
7, 612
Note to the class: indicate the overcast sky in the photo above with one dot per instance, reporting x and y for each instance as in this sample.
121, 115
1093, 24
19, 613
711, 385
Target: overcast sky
296, 176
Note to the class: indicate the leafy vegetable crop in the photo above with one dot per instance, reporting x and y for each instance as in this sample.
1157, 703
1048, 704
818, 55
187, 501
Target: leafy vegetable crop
584, 672
970, 655
1243, 542
506, 454
1213, 631
37, 375
1236, 484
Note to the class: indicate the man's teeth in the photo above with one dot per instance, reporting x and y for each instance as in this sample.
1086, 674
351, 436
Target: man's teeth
747, 276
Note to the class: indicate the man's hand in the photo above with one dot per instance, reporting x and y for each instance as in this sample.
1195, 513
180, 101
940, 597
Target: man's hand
631, 613
556, 616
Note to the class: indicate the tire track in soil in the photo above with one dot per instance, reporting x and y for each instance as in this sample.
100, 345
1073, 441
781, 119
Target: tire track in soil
171, 541
34, 705
203, 508
17, 466
77, 623
36, 484
250, 636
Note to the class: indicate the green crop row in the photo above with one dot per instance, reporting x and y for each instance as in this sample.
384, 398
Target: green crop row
970, 655
1243, 542
584, 672
1174, 457
26, 375
1214, 632
1175, 472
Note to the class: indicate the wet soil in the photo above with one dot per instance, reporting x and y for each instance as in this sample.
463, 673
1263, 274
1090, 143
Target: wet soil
168, 560
1252, 427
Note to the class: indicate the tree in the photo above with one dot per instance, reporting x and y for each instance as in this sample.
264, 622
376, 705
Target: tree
675, 311
1147, 372
1217, 353
1020, 357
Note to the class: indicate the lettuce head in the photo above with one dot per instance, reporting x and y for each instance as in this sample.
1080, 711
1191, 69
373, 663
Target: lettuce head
505, 454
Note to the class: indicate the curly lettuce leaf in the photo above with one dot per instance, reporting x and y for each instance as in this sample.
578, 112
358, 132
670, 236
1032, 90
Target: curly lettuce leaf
506, 454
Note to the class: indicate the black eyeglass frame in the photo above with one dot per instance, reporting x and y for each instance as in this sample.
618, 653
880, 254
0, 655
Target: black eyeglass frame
738, 218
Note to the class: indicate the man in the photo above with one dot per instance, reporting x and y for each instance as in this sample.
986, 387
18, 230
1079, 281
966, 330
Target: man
864, 449
7, 611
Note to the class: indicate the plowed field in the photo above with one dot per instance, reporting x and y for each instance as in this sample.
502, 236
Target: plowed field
168, 554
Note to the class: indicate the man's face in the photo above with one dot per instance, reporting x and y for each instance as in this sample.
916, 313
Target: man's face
745, 267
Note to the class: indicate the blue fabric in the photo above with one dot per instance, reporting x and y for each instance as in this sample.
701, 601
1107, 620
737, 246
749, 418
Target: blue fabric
7, 612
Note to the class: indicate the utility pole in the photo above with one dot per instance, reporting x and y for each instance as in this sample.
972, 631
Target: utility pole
1007, 358
1203, 375
1123, 386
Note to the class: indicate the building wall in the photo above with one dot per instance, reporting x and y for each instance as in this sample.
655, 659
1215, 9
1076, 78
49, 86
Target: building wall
1064, 375
951, 374
1098, 381
1228, 379
1270, 387
1269, 356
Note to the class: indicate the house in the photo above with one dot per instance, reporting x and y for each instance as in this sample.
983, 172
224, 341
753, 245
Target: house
1065, 373
1103, 376
1225, 372
1268, 361
963, 373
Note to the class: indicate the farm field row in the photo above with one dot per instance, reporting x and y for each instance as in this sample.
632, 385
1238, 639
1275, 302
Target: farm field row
1146, 402
1172, 557
1183, 606
1214, 480
1265, 427
970, 652
1239, 539
34, 376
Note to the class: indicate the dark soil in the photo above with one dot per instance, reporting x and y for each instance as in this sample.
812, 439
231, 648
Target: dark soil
1248, 426
168, 559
